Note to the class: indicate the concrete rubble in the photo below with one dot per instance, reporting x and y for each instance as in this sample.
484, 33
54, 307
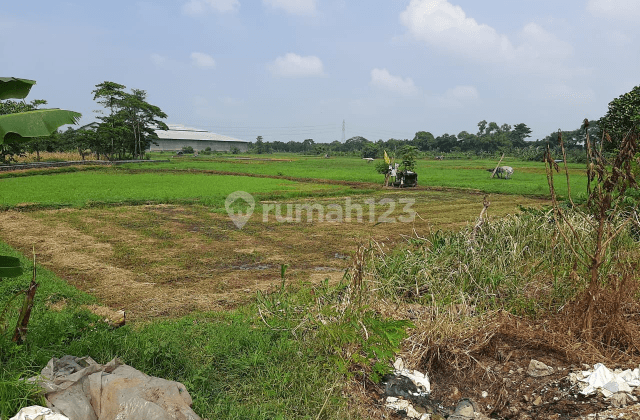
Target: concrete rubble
401, 405
405, 383
419, 379
538, 369
610, 393
600, 378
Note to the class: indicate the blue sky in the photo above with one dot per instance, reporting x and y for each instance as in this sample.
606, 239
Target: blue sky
295, 69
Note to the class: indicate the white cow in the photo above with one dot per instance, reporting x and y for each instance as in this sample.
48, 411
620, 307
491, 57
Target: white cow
504, 172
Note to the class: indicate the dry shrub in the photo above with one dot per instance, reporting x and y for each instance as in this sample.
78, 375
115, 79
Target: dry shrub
462, 349
598, 312
613, 333
54, 156
458, 349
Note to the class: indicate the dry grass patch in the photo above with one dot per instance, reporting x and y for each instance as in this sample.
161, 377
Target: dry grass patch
168, 260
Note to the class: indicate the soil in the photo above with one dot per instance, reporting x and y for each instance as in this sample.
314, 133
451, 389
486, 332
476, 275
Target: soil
496, 379
509, 392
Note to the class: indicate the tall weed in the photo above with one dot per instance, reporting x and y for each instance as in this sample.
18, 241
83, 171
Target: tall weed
517, 263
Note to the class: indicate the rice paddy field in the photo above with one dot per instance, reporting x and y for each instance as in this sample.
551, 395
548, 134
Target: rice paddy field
161, 229
154, 239
529, 177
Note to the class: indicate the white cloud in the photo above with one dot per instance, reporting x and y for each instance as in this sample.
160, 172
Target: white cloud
617, 9
198, 7
463, 93
295, 7
458, 97
381, 78
158, 59
293, 65
202, 60
447, 27
229, 101
566, 94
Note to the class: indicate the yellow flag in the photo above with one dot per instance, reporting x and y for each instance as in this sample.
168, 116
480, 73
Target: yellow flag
386, 158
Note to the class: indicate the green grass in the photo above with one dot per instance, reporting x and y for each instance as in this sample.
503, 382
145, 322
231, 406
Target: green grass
529, 177
232, 364
183, 180
116, 186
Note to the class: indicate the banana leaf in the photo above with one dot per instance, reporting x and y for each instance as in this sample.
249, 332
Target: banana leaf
38, 123
11, 87
9, 266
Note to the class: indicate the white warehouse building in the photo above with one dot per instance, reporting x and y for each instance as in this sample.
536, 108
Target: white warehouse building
179, 136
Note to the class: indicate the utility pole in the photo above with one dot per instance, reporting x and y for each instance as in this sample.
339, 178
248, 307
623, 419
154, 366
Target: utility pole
343, 131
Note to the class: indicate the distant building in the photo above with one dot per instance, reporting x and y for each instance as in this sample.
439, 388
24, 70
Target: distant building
179, 136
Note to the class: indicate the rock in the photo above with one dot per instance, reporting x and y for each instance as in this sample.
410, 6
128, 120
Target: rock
420, 410
485, 394
537, 401
538, 369
404, 405
619, 399
465, 410
405, 382
455, 394
400, 386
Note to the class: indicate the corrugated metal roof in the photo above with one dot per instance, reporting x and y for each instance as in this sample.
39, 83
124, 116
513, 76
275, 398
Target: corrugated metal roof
180, 132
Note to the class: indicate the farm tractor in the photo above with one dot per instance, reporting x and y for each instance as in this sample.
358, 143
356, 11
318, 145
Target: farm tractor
402, 179
396, 177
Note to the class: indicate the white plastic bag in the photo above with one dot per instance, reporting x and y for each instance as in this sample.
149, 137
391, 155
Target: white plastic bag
35, 412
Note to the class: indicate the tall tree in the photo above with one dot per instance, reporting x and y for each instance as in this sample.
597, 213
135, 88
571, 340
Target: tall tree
129, 126
143, 118
423, 140
518, 135
260, 146
623, 117
446, 142
308, 145
109, 95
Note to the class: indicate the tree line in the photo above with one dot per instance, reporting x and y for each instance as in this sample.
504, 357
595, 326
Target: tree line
621, 119
126, 124
490, 138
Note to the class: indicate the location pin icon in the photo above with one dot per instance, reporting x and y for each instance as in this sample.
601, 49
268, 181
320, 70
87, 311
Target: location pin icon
239, 219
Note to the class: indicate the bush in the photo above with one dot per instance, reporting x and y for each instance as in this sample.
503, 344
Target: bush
187, 149
382, 167
408, 155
